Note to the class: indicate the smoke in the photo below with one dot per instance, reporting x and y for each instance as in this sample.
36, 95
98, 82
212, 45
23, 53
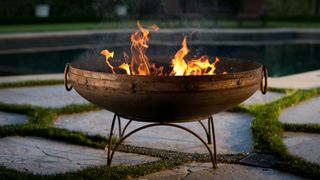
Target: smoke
174, 18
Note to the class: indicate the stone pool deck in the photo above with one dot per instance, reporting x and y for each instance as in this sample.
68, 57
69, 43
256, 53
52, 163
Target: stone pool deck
233, 133
42, 41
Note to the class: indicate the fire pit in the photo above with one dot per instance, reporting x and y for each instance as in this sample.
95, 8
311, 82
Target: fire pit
167, 98
164, 100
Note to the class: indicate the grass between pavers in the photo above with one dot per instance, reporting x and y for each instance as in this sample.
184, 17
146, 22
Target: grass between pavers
46, 116
40, 124
41, 120
308, 128
267, 132
286, 91
169, 160
266, 129
64, 135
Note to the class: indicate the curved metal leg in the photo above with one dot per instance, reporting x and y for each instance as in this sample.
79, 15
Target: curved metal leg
122, 131
119, 126
214, 139
110, 139
125, 128
110, 157
207, 131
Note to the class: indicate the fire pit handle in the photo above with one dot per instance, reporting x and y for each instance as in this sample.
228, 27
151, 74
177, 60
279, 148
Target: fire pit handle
66, 71
264, 85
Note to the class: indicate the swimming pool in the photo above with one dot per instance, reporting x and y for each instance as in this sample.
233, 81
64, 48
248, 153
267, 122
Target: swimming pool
281, 59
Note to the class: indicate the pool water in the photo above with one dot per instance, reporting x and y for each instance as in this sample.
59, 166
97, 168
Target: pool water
281, 59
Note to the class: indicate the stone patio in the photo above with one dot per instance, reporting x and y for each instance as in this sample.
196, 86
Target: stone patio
304, 145
224, 171
233, 133
259, 98
43, 156
33, 77
304, 80
11, 118
44, 96
307, 112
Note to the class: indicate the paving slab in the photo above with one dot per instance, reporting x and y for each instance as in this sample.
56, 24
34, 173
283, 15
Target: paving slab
233, 132
307, 112
304, 80
224, 171
34, 77
12, 118
44, 96
37, 41
304, 145
43, 156
259, 98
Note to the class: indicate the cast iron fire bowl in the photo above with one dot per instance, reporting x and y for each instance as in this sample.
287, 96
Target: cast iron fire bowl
168, 98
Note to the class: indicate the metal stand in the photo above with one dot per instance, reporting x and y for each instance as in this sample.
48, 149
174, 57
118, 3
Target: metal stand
208, 130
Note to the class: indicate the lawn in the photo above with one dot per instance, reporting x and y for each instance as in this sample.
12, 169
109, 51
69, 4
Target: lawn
161, 24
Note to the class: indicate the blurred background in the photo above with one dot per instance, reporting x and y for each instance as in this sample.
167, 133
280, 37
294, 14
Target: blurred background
40, 36
47, 11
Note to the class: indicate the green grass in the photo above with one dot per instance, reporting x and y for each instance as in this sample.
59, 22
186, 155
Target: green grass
46, 116
169, 160
83, 26
309, 128
286, 91
267, 132
41, 120
40, 124
161, 24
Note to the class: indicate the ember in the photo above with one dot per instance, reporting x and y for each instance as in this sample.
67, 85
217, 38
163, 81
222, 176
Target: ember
140, 64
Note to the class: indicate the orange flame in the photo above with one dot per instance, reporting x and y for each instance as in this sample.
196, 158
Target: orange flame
140, 65
178, 63
139, 61
199, 66
126, 67
108, 55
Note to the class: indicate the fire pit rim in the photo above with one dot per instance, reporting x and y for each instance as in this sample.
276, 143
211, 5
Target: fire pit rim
109, 76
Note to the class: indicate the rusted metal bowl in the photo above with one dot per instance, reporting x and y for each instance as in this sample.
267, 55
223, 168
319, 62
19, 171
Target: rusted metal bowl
167, 98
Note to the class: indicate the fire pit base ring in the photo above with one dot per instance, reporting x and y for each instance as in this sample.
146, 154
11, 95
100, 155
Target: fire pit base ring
208, 130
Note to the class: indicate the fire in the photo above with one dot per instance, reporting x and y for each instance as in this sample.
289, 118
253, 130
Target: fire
125, 66
139, 62
199, 66
178, 63
108, 55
